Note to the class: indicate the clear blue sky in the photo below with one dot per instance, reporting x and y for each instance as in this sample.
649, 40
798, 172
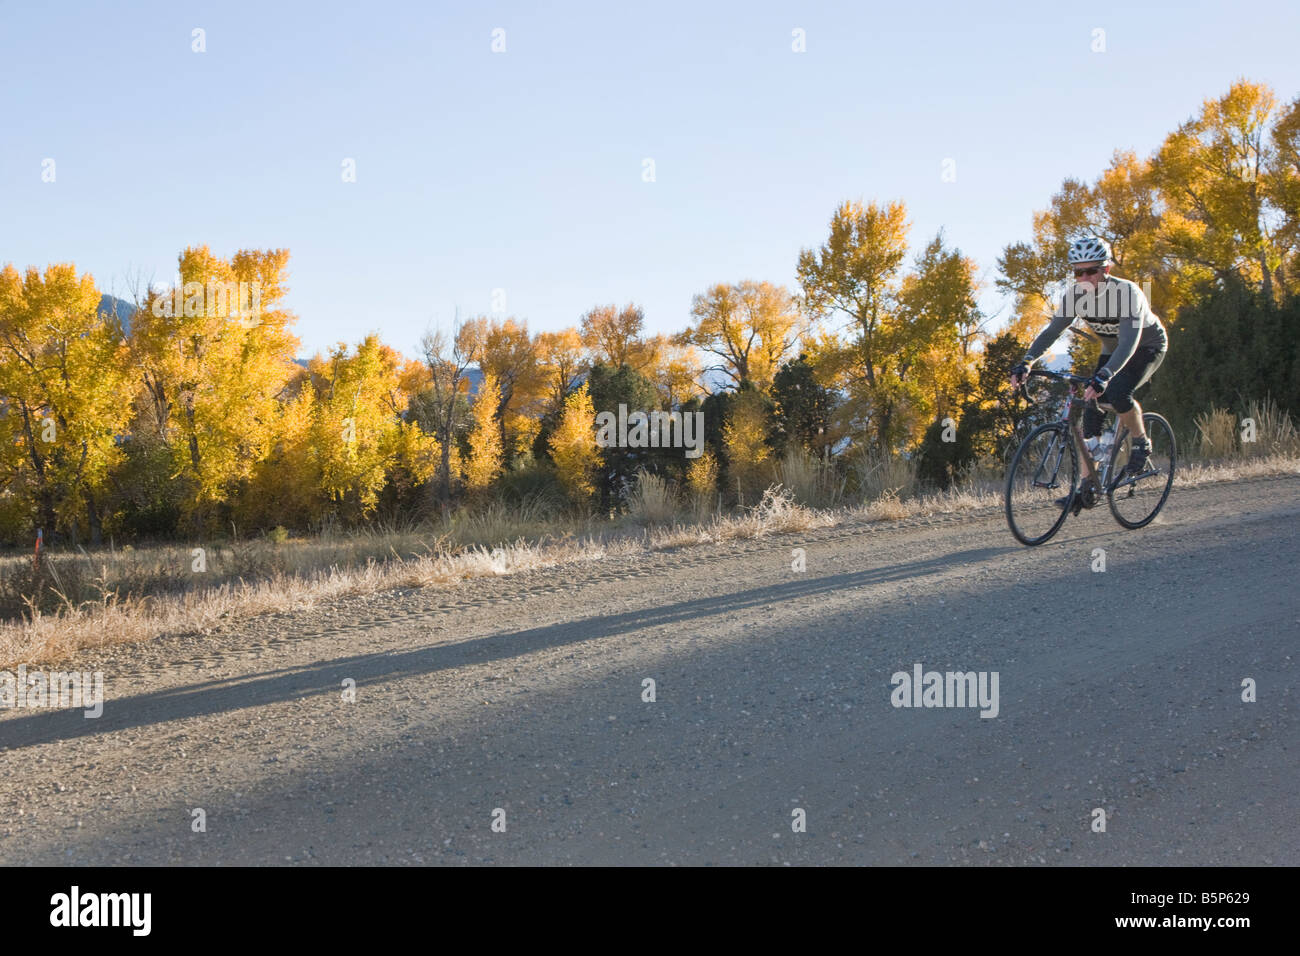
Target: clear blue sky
522, 170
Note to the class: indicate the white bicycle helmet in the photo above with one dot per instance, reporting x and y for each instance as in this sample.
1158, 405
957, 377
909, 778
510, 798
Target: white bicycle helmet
1090, 249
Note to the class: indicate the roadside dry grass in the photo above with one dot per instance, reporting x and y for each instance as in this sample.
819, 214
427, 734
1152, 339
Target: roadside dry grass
90, 600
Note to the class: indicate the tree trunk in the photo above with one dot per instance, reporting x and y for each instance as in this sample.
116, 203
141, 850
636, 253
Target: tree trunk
885, 419
92, 518
46, 499
444, 466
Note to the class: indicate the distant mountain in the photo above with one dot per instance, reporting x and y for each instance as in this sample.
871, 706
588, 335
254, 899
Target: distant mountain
110, 305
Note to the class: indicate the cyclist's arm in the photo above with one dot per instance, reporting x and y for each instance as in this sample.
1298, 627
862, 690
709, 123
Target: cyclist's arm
1130, 331
1060, 322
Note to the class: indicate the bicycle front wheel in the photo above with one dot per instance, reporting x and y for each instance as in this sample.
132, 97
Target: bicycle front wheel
1135, 500
1045, 468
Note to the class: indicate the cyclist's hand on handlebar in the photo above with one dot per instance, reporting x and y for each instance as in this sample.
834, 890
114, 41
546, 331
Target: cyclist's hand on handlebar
1096, 385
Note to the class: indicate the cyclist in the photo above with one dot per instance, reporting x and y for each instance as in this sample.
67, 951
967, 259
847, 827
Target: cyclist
1134, 343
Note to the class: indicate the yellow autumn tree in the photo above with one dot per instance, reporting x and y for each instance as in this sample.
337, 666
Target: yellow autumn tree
573, 446
677, 372
855, 276
560, 356
64, 380
1282, 190
341, 436
744, 443
485, 452
751, 326
507, 351
285, 488
702, 481
212, 372
938, 329
413, 455
358, 433
614, 337
1212, 173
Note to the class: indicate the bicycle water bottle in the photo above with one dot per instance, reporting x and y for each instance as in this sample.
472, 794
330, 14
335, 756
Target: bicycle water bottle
1103, 445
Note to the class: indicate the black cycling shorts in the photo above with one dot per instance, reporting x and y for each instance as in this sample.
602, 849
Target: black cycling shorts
1137, 371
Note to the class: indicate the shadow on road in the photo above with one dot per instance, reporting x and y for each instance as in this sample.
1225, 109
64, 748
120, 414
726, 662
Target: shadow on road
210, 697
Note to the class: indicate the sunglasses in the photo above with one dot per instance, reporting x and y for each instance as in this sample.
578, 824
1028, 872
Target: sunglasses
1080, 273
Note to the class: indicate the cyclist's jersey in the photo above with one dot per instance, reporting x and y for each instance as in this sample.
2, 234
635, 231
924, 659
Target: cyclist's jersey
1116, 311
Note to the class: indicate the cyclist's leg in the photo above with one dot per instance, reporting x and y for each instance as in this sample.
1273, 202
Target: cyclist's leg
1089, 485
1092, 420
1119, 395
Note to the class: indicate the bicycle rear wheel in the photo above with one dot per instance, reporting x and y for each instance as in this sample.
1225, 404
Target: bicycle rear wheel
1044, 468
1135, 500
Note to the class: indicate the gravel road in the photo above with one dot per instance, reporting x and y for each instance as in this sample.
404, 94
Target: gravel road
522, 699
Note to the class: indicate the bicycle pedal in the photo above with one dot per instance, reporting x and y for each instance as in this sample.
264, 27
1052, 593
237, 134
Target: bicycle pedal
1086, 497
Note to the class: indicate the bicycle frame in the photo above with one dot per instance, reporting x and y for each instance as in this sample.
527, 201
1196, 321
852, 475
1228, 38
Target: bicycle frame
1036, 467
1102, 470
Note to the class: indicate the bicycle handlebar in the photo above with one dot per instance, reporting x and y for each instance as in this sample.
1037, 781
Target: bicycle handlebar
1047, 373
1060, 376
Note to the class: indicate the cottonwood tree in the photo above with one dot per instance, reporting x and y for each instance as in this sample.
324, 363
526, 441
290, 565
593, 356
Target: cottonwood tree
940, 322
286, 486
751, 326
573, 446
358, 433
561, 358
677, 372
212, 380
744, 442
1282, 189
510, 355
443, 407
614, 337
856, 274
63, 378
486, 455
1212, 173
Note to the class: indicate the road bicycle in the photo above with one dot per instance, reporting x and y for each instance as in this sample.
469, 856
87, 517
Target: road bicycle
1045, 468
